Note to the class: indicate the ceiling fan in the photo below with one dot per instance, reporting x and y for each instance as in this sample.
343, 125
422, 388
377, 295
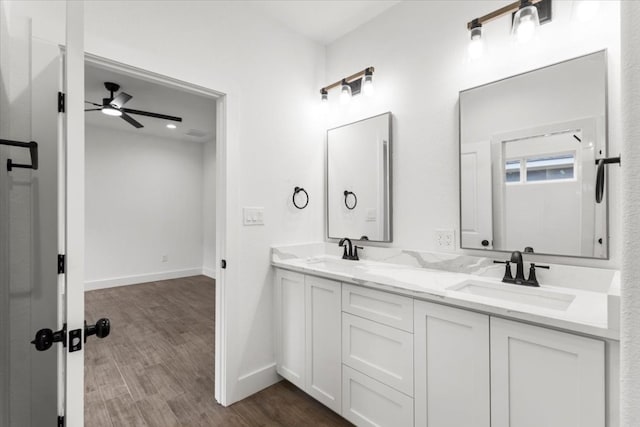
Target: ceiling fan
114, 106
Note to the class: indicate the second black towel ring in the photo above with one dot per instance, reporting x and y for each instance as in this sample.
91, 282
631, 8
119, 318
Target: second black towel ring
346, 202
295, 192
600, 175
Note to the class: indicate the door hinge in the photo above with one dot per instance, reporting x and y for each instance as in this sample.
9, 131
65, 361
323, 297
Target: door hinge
223, 263
60, 420
61, 264
61, 106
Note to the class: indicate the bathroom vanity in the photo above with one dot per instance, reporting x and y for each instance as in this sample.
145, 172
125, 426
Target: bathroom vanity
425, 339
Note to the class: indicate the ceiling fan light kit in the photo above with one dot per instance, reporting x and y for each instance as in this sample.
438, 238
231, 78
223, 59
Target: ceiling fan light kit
114, 106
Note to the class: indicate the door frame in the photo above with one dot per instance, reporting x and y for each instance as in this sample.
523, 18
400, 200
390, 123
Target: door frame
221, 196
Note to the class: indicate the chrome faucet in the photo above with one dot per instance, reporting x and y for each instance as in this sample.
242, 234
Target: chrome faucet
516, 257
350, 251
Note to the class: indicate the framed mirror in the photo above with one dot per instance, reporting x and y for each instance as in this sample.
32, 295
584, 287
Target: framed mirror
359, 180
529, 147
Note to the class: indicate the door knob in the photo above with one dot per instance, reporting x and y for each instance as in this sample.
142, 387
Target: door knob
101, 329
485, 243
46, 337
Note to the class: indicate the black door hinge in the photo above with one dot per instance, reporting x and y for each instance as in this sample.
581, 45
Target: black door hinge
60, 420
223, 263
61, 102
61, 264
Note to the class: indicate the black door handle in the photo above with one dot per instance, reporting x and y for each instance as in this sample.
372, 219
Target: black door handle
101, 329
485, 243
46, 337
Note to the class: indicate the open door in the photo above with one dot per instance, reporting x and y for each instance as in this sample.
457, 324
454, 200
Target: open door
41, 267
476, 227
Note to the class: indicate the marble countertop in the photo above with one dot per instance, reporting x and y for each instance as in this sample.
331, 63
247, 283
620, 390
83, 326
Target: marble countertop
586, 313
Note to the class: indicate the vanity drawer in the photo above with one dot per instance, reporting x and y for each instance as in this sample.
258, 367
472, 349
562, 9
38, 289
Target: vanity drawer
382, 352
367, 402
383, 307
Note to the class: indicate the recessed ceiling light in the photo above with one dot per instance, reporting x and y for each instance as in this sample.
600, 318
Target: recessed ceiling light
171, 126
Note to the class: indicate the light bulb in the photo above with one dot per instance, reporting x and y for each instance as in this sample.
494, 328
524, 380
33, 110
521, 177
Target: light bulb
526, 22
110, 111
345, 93
585, 10
476, 45
367, 83
171, 126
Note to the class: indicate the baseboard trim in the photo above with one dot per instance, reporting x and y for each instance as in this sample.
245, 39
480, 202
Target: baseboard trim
141, 278
255, 381
209, 272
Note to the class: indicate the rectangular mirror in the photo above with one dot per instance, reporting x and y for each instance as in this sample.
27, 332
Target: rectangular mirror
528, 151
359, 181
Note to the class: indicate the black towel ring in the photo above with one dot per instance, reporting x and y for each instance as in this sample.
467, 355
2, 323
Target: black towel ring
296, 191
355, 200
600, 175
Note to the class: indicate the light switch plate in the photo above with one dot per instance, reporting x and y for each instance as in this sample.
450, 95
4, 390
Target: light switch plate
253, 216
446, 240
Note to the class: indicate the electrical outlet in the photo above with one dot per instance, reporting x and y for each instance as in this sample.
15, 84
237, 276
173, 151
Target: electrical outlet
165, 258
446, 240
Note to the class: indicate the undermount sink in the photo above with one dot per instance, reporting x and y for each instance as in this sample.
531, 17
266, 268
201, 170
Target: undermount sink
516, 293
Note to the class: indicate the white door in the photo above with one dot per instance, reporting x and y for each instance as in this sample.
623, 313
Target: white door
36, 387
542, 377
451, 367
476, 227
323, 354
290, 326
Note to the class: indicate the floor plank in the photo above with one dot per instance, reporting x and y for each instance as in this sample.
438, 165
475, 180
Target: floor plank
156, 367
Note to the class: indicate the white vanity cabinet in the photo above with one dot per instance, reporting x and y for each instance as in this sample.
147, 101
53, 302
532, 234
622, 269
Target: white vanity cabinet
307, 316
452, 379
542, 377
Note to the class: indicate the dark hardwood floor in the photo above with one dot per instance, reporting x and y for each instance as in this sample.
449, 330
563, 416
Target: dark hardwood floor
156, 367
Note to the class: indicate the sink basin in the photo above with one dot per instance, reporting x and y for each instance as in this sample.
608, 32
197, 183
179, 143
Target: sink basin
516, 293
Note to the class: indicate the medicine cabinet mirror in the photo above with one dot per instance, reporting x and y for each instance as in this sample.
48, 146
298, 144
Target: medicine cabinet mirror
358, 180
529, 147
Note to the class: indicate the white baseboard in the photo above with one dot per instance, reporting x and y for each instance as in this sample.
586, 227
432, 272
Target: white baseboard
255, 381
209, 272
141, 278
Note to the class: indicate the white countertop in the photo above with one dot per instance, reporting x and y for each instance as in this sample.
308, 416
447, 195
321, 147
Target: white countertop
586, 314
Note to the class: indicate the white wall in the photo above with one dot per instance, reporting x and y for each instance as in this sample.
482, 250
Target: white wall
630, 292
143, 202
209, 210
419, 51
274, 133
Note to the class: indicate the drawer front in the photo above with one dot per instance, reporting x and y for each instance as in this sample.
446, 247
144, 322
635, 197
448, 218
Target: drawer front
383, 307
382, 352
367, 402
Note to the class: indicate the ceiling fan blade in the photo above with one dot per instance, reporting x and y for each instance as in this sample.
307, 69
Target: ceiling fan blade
94, 109
120, 99
133, 122
93, 103
154, 115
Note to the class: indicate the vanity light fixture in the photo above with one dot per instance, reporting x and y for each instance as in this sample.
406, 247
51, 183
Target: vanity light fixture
527, 15
476, 46
361, 81
345, 92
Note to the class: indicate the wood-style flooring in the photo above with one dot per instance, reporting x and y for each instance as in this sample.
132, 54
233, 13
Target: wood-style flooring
156, 367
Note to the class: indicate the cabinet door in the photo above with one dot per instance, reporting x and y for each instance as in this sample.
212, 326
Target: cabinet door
542, 377
451, 366
367, 402
290, 330
323, 365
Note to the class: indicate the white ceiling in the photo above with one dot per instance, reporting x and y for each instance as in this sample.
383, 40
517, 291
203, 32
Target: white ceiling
197, 112
323, 20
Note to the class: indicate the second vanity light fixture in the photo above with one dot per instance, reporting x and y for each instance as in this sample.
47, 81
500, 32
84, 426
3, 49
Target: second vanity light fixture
527, 17
361, 81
